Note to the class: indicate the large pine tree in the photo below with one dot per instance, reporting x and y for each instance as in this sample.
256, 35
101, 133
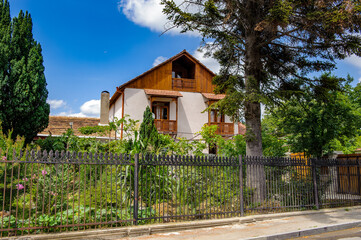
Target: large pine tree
267, 48
23, 93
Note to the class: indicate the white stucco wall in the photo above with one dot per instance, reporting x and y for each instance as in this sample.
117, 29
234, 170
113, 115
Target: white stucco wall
116, 109
190, 116
135, 102
111, 113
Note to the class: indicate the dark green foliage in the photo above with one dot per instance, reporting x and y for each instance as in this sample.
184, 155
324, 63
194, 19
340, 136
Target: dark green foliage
88, 130
148, 134
23, 92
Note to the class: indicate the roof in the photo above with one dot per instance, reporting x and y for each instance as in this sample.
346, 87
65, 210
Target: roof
58, 125
241, 129
119, 90
163, 93
212, 96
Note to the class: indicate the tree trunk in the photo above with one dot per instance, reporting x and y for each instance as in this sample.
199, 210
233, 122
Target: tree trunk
252, 111
255, 173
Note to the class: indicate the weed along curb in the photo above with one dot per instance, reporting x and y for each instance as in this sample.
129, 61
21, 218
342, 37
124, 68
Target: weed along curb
172, 227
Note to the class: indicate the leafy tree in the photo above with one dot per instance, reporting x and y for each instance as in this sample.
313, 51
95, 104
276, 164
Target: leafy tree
273, 140
23, 92
318, 124
266, 48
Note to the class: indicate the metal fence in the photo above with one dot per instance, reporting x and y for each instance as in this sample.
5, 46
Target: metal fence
52, 192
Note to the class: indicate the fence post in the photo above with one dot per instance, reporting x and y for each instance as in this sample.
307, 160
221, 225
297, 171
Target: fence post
241, 184
136, 181
314, 178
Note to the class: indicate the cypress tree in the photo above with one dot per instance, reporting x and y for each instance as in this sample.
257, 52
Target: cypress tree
23, 95
148, 133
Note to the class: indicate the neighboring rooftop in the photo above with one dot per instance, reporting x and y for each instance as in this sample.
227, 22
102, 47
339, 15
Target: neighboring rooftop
58, 125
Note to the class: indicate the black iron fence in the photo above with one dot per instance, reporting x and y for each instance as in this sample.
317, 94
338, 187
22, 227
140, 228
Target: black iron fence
53, 192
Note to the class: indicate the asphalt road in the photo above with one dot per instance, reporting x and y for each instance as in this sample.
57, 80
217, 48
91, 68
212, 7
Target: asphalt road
348, 234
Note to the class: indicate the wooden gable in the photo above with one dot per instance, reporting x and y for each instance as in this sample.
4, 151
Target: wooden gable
164, 77
160, 77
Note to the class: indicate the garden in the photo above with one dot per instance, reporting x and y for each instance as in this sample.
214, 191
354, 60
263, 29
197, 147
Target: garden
71, 183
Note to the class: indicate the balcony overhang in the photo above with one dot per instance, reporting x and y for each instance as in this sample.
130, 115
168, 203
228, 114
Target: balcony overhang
213, 97
162, 93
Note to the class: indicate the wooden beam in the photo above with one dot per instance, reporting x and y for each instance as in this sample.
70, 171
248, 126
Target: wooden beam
121, 132
151, 103
209, 117
176, 116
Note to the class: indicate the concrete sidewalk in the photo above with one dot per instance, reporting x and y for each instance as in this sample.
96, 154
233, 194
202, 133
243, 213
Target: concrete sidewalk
268, 226
275, 226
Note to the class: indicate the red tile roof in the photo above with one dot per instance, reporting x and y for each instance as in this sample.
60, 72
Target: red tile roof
241, 129
60, 124
163, 93
212, 96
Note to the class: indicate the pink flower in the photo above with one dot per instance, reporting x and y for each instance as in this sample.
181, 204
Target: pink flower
34, 176
19, 186
44, 172
53, 193
4, 158
25, 179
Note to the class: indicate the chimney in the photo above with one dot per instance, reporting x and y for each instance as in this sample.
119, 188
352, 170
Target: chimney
104, 108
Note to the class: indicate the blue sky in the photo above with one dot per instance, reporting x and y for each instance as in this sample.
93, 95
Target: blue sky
91, 46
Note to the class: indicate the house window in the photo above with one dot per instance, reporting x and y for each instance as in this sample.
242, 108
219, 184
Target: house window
216, 117
160, 110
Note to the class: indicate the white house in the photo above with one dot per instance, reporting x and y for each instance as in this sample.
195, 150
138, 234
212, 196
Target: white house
178, 91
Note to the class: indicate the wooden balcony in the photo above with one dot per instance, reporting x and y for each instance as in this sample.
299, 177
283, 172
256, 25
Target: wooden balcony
184, 84
224, 128
166, 126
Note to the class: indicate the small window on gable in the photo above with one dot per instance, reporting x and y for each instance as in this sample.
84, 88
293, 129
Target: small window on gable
183, 67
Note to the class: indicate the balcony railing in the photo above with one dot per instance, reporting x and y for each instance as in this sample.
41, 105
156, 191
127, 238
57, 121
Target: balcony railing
166, 126
184, 84
224, 128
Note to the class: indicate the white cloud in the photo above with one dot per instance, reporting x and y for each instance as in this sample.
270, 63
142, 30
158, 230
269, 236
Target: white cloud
148, 13
55, 104
159, 60
209, 62
354, 60
90, 108
77, 115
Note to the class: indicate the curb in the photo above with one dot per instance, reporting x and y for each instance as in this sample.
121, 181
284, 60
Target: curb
135, 231
309, 232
